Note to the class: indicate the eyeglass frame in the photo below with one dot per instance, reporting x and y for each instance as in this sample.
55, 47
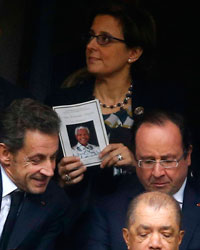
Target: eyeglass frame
160, 162
110, 37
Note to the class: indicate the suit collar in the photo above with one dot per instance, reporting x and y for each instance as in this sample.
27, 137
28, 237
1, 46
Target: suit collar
34, 210
178, 196
7, 184
0, 189
190, 212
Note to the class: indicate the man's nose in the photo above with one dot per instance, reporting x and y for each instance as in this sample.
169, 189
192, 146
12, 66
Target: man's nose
158, 170
48, 168
155, 241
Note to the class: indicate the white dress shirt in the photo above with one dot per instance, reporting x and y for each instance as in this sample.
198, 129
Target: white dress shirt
179, 195
7, 187
89, 150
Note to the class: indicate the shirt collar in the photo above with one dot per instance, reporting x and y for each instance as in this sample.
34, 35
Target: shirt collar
8, 185
81, 146
179, 195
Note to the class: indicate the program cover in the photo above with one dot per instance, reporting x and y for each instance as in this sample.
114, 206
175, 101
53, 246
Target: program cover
82, 131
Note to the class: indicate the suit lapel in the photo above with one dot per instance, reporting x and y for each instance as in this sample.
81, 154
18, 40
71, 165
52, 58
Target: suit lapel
191, 214
0, 189
33, 212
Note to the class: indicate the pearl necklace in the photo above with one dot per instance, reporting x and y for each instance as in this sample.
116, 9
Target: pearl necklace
119, 104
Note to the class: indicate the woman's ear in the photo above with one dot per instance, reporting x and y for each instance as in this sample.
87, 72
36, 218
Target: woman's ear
4, 155
135, 54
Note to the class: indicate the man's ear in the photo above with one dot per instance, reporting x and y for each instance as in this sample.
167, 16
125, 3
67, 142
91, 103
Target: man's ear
126, 236
181, 234
5, 155
188, 158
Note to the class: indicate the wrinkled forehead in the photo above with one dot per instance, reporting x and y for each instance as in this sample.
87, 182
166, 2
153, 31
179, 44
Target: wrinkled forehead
155, 216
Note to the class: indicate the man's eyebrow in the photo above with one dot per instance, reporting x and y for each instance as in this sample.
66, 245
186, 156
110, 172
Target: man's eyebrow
146, 227
35, 156
143, 226
167, 228
55, 153
151, 157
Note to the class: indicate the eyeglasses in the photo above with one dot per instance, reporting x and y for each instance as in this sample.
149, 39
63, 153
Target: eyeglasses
103, 39
167, 164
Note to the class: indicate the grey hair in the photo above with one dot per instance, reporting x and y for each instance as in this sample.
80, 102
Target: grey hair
81, 127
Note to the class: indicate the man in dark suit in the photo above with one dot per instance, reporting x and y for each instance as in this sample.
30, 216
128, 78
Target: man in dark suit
153, 222
28, 149
162, 151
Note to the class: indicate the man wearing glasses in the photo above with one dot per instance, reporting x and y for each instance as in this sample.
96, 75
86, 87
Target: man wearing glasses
162, 151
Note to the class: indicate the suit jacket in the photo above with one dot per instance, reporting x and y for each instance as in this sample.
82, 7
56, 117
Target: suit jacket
146, 94
40, 221
108, 217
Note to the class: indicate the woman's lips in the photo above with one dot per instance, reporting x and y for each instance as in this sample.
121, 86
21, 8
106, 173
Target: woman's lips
92, 59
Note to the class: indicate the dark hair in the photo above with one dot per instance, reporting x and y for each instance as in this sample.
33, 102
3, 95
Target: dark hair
138, 27
22, 115
159, 117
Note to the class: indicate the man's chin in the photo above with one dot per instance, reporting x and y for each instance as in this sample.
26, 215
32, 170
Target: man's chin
37, 190
160, 188
38, 187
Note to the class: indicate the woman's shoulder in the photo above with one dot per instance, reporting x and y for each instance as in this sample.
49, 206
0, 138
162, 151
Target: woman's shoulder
81, 92
160, 94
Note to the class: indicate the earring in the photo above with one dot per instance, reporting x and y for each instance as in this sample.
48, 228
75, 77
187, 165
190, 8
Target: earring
129, 60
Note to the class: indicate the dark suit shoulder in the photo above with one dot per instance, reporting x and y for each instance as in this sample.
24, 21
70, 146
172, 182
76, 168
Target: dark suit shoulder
160, 94
128, 187
77, 94
56, 194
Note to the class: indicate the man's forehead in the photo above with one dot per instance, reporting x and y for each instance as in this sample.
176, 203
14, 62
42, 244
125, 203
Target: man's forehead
145, 212
40, 139
167, 124
167, 132
42, 154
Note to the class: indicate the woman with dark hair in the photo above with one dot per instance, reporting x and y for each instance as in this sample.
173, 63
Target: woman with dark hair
120, 42
120, 37
120, 45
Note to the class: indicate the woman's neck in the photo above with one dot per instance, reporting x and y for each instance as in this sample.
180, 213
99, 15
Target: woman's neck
111, 89
111, 92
